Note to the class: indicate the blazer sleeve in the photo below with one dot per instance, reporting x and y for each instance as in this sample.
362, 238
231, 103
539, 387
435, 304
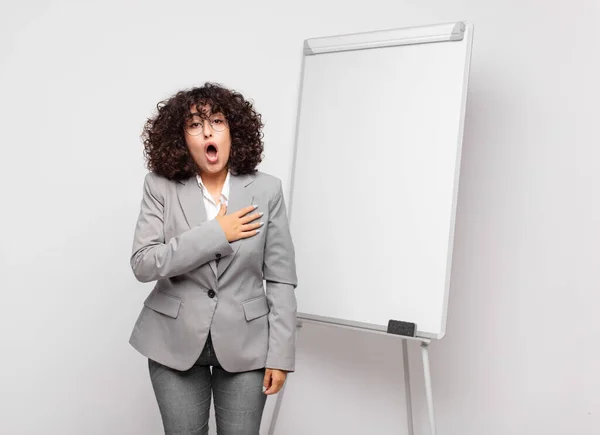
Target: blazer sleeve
279, 272
154, 258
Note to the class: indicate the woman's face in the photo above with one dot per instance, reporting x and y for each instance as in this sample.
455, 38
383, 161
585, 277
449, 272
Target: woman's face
209, 147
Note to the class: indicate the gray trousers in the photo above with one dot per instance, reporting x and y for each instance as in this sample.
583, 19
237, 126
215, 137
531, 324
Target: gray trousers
184, 398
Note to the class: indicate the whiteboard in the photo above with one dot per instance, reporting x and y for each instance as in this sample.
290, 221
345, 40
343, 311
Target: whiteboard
375, 175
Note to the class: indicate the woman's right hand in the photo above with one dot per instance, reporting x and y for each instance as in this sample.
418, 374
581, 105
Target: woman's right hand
237, 225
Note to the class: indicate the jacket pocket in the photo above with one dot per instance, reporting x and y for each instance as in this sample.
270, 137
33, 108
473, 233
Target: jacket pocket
163, 303
255, 307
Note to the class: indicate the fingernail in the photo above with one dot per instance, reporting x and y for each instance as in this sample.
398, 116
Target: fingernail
258, 231
255, 205
261, 223
261, 213
264, 388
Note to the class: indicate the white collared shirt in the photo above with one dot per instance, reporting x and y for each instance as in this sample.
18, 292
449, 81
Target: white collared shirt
212, 208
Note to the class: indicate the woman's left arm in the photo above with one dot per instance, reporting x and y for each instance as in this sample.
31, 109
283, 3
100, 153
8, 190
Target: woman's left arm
279, 270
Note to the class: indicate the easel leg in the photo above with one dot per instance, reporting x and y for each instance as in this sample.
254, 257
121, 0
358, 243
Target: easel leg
276, 410
428, 389
409, 413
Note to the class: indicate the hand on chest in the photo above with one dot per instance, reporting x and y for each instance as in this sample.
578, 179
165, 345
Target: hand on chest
195, 206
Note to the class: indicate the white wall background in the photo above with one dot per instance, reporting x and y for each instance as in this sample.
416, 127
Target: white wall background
77, 80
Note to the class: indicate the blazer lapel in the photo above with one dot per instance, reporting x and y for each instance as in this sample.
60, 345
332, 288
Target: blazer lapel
239, 197
192, 204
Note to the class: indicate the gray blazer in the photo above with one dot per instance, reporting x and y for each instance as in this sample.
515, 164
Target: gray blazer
252, 325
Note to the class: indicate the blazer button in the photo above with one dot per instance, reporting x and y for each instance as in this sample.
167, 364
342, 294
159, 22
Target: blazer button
211, 293
218, 255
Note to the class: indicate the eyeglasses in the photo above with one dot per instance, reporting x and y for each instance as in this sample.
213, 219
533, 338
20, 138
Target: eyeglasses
196, 127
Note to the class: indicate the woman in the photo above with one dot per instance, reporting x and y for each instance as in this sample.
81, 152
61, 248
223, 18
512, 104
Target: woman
211, 228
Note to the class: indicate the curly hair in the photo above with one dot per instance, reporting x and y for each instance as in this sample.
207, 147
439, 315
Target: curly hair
165, 150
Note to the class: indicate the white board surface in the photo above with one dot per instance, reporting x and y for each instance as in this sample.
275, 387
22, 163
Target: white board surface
375, 177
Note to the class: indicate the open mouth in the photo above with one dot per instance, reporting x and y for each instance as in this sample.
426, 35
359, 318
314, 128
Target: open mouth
211, 153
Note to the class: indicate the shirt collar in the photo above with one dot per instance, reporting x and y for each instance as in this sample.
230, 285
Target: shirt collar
224, 190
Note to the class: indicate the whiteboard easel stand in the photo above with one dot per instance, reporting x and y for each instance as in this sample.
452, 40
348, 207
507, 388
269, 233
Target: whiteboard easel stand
368, 40
425, 342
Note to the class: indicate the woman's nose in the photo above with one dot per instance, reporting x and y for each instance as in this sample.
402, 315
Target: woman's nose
206, 128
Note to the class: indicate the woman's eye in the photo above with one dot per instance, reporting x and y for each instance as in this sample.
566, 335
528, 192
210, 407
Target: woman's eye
194, 124
217, 121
